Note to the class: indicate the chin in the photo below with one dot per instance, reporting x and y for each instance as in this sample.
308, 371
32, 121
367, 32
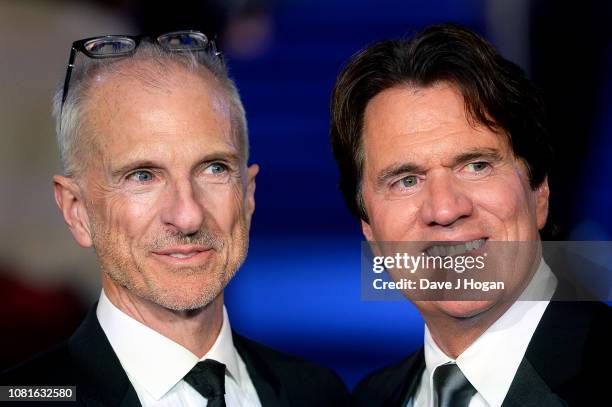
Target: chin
181, 291
463, 309
186, 300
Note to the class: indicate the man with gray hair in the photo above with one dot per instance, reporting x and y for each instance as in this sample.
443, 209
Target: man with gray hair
153, 140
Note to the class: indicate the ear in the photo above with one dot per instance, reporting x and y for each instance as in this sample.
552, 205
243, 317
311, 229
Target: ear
367, 231
542, 194
70, 202
252, 172
369, 235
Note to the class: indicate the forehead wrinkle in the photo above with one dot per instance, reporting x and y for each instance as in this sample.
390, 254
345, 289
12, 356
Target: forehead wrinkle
112, 94
108, 97
413, 125
111, 106
154, 75
449, 156
420, 120
159, 154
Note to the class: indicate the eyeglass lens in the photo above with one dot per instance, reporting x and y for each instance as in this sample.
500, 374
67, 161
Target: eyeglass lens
110, 46
179, 41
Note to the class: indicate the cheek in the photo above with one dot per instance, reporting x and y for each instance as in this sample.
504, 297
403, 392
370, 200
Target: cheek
509, 203
225, 205
393, 220
501, 201
127, 216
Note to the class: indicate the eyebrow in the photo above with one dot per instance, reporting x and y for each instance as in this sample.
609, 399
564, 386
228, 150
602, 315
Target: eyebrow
132, 165
226, 156
490, 154
397, 169
392, 171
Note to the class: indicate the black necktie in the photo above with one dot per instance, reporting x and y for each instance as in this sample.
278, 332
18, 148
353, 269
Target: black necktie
208, 378
452, 387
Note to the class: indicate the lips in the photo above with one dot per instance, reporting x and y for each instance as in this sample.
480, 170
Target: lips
183, 254
454, 249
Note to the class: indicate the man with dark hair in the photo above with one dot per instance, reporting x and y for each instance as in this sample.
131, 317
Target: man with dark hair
153, 140
440, 139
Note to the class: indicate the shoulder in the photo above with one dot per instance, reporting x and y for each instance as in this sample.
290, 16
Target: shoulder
391, 382
569, 347
587, 323
596, 322
52, 367
305, 382
602, 314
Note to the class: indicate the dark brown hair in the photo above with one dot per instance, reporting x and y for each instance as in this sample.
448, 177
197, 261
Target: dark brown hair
497, 94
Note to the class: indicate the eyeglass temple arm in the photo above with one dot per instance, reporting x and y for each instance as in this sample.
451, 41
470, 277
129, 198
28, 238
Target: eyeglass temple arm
213, 46
68, 74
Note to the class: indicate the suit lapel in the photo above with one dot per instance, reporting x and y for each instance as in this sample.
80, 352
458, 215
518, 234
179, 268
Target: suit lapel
552, 357
130, 398
554, 348
411, 371
392, 386
102, 380
267, 385
529, 390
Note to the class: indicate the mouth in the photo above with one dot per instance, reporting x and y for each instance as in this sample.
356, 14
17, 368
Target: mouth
184, 254
455, 249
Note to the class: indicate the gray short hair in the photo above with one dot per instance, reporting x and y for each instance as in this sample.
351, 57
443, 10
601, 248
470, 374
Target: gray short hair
69, 117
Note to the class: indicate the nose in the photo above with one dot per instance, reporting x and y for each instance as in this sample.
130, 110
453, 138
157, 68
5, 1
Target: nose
445, 202
184, 211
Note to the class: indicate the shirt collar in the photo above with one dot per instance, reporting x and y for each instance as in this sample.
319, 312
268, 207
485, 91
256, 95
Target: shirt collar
154, 361
491, 362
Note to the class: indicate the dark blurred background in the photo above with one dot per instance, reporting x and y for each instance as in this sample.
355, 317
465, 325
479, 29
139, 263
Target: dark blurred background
299, 289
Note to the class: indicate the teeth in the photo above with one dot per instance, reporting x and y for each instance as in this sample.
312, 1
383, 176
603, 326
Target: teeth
182, 256
443, 251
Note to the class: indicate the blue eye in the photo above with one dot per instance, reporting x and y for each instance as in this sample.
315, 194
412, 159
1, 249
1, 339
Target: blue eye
477, 170
141, 176
216, 168
409, 181
478, 166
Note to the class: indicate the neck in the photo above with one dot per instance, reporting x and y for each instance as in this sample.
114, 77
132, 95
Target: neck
196, 330
454, 335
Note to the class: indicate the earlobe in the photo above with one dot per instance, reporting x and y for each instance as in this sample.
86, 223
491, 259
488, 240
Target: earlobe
542, 196
71, 205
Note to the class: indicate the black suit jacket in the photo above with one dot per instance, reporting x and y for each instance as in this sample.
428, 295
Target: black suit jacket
567, 362
88, 362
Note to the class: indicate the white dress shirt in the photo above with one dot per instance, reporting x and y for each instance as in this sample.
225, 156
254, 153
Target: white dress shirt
155, 365
491, 362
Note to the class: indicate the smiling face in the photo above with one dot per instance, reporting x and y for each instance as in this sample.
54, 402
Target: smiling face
166, 197
429, 175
